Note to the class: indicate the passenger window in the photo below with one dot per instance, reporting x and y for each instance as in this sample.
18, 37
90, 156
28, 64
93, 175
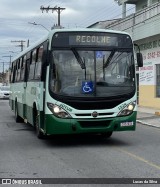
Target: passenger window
13, 72
34, 56
23, 68
18, 69
40, 53
31, 71
38, 63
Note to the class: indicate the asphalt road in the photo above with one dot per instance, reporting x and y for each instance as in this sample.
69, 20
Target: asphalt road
125, 155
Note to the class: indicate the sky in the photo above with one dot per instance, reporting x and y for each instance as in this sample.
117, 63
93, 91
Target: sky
17, 14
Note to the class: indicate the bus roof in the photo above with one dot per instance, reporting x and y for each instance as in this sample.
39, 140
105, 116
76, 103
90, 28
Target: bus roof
51, 33
86, 30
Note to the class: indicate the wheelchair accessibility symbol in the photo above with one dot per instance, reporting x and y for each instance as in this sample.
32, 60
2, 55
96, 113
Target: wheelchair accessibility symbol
87, 86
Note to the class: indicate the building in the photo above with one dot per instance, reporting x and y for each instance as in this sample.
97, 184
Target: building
144, 27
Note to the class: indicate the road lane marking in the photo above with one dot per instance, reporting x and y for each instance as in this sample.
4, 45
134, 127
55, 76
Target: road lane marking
140, 158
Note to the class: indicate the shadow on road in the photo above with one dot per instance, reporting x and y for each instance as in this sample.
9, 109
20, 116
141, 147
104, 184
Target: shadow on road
83, 140
71, 140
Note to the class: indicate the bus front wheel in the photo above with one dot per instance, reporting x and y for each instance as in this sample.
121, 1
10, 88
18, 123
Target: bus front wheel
39, 134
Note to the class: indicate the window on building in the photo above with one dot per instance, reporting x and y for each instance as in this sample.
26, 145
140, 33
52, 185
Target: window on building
158, 80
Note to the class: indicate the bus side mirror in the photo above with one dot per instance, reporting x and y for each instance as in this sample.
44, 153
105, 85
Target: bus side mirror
139, 60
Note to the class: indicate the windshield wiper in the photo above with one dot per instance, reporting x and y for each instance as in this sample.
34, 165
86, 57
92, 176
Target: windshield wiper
109, 59
78, 57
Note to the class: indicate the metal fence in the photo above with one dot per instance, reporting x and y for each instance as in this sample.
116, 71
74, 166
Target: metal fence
136, 18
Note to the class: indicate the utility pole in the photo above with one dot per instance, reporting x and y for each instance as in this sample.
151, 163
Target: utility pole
58, 9
21, 43
28, 43
3, 74
10, 56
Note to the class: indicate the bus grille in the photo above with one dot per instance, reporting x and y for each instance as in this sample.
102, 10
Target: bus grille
99, 114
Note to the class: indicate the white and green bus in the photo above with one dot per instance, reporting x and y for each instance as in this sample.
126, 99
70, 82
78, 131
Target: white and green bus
77, 81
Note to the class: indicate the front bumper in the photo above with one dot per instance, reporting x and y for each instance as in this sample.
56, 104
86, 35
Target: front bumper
54, 125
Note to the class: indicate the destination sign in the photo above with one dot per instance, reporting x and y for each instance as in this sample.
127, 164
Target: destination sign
90, 39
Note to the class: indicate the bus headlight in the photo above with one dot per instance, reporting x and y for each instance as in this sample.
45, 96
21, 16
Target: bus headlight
58, 111
128, 109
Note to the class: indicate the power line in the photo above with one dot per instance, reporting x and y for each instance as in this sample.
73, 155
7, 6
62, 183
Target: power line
10, 57
103, 14
21, 43
100, 12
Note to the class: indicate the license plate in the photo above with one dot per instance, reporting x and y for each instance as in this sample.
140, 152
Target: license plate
127, 124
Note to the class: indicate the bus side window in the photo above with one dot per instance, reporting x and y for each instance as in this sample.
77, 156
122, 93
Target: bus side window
32, 65
13, 72
18, 69
39, 63
27, 66
23, 68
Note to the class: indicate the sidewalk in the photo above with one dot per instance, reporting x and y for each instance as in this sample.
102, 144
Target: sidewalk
148, 116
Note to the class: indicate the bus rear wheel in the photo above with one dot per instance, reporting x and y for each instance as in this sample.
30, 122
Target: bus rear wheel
17, 117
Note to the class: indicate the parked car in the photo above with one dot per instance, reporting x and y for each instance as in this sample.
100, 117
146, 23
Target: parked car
4, 92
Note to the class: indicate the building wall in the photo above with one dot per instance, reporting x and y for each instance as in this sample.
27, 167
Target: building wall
147, 97
150, 48
144, 27
142, 24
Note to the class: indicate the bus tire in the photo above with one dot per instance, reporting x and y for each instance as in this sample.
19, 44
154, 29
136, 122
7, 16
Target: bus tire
39, 134
17, 117
106, 134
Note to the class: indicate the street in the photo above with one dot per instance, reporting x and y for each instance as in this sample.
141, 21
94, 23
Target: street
125, 155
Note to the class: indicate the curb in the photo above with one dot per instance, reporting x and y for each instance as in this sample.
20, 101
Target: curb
148, 124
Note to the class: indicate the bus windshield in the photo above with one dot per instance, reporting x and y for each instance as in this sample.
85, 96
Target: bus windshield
92, 73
